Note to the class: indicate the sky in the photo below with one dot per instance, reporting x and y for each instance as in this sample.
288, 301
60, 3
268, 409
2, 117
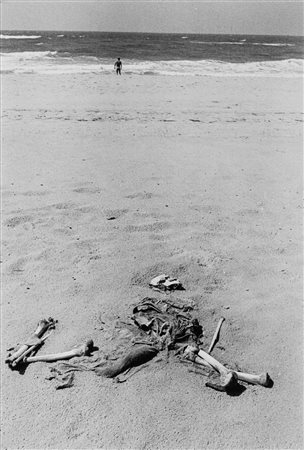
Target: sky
183, 16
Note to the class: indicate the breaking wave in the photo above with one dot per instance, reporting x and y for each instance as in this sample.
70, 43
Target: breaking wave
242, 42
273, 45
10, 36
65, 63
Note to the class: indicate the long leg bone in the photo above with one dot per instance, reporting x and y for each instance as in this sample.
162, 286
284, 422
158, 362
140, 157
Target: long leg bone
84, 350
263, 379
228, 378
205, 359
34, 339
30, 350
216, 334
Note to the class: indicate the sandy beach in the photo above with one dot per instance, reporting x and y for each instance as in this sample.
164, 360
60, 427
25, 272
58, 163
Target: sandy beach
203, 179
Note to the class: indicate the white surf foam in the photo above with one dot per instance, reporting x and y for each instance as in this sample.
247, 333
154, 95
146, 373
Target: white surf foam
16, 57
273, 45
52, 63
219, 42
242, 42
10, 36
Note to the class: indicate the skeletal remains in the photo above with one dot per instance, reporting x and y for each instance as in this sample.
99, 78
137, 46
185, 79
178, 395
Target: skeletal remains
166, 283
136, 356
83, 350
32, 343
228, 377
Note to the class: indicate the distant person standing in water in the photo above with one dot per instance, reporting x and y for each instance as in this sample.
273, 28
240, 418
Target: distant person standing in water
118, 66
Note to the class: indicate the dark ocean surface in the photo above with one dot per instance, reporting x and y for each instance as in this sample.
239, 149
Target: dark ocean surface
144, 53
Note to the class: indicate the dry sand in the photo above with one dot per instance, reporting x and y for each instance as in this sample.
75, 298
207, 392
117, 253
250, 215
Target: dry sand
204, 179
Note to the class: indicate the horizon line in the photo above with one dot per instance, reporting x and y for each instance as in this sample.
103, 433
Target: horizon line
148, 32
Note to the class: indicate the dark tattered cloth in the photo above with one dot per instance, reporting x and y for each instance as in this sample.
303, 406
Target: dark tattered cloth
155, 325
167, 323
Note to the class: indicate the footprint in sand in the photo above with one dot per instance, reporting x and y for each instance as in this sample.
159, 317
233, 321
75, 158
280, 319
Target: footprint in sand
141, 195
17, 267
157, 237
146, 215
63, 205
86, 209
156, 226
112, 214
18, 220
87, 190
7, 194
35, 193
248, 212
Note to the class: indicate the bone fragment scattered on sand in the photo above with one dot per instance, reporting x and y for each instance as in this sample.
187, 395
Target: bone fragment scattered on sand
166, 283
216, 334
228, 379
33, 342
200, 357
30, 350
84, 350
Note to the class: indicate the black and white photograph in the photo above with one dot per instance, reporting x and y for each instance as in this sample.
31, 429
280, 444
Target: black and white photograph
152, 224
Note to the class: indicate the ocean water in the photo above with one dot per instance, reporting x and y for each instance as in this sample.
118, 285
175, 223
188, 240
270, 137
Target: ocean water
151, 54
